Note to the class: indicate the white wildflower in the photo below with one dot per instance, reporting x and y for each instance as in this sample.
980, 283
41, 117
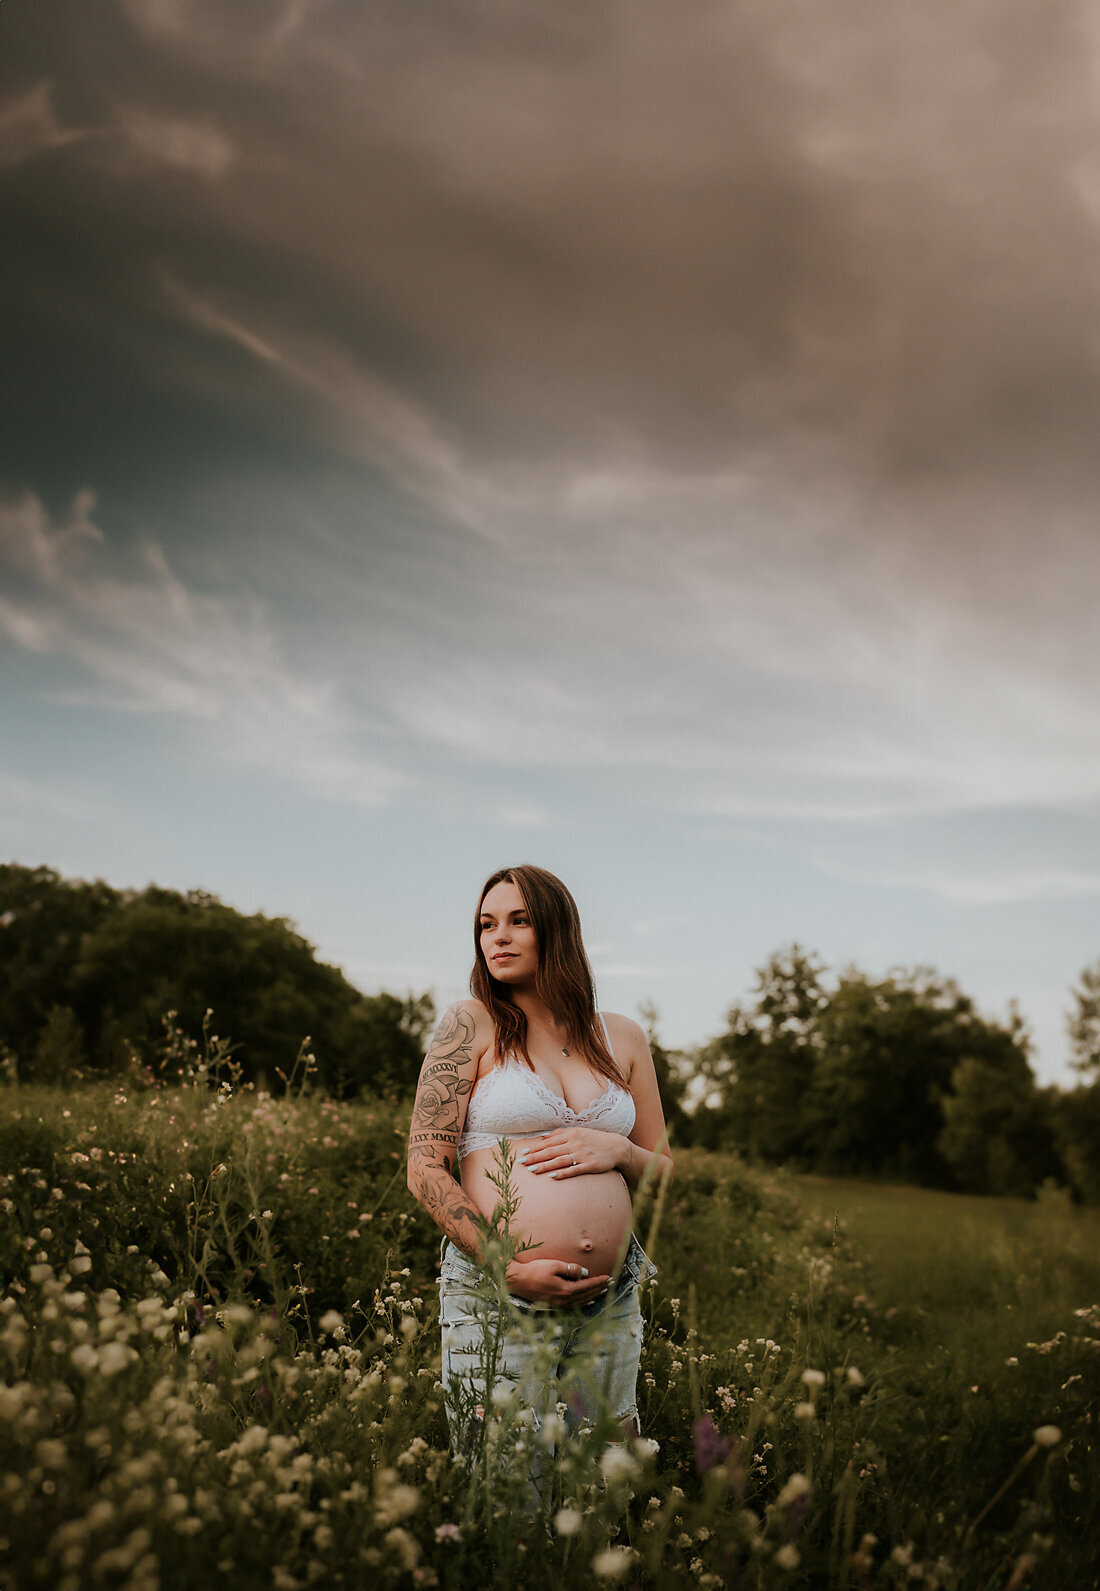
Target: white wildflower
394, 1501
115, 1356
788, 1556
1047, 1436
553, 1430
567, 1521
613, 1562
796, 1486
617, 1463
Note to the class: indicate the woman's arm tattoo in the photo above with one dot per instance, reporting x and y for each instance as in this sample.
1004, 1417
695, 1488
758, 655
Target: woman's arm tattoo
445, 1080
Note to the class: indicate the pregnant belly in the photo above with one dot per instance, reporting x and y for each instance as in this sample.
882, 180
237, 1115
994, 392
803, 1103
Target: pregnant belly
583, 1220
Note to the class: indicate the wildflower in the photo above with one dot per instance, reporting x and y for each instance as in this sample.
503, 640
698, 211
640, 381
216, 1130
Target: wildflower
1024, 1565
553, 1429
113, 1357
448, 1532
50, 1453
805, 1411
613, 1562
1047, 1436
711, 1449
813, 1378
646, 1447
404, 1546
797, 1486
331, 1320
394, 1502
862, 1557
855, 1377
788, 1556
252, 1439
617, 1463
567, 1521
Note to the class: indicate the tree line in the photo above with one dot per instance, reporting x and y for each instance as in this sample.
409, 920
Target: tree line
88, 974
898, 1078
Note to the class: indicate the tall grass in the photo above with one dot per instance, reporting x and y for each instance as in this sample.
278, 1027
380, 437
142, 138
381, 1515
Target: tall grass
220, 1363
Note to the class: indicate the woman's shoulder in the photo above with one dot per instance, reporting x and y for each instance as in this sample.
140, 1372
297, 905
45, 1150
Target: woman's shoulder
468, 1022
628, 1039
625, 1027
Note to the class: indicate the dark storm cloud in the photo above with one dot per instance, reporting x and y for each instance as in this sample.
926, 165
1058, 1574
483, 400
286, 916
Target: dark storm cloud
756, 341
862, 234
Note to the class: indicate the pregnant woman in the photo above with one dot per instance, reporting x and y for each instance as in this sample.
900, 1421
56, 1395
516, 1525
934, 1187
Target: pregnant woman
573, 1091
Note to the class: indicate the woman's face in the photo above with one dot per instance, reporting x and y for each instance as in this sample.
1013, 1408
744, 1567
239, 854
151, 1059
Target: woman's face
508, 941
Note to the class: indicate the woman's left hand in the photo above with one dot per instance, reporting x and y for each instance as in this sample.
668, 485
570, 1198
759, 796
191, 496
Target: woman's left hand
575, 1152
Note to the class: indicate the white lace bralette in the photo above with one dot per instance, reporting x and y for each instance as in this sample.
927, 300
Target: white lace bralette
512, 1101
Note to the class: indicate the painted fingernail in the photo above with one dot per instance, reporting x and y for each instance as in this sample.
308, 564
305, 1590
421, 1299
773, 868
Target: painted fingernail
584, 1272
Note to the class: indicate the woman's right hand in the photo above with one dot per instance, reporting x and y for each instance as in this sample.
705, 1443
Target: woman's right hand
553, 1282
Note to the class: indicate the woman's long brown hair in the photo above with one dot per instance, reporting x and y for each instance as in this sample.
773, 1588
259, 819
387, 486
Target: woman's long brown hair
564, 978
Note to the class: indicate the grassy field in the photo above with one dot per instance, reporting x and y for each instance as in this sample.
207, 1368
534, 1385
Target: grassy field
965, 1265
220, 1353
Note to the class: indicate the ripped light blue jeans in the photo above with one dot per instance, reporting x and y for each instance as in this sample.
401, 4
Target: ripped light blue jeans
585, 1358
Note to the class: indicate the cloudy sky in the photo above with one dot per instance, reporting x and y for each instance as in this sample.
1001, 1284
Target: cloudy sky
658, 442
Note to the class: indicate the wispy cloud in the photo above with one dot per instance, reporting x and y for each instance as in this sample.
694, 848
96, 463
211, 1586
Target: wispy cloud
40, 795
524, 815
188, 144
143, 641
997, 886
367, 415
29, 126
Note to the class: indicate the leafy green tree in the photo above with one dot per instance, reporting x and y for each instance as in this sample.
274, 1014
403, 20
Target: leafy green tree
59, 1053
888, 1052
88, 972
43, 919
188, 953
1075, 1114
997, 1135
1077, 1111
756, 1077
1084, 1022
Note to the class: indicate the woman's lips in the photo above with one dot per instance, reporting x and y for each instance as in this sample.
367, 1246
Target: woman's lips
506, 957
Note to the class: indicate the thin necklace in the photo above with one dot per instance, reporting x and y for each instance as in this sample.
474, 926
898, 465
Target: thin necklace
564, 1048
